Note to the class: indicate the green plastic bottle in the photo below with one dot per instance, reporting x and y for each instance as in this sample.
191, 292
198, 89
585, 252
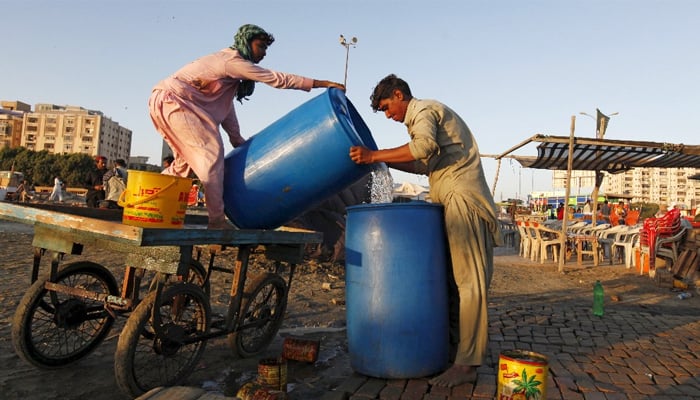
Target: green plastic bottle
598, 299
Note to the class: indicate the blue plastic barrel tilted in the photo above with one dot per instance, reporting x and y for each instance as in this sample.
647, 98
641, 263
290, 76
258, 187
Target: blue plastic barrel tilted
396, 289
295, 163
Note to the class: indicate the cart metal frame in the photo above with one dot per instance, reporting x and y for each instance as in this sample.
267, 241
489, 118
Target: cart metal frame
167, 252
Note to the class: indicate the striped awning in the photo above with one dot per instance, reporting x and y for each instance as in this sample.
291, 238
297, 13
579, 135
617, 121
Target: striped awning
608, 155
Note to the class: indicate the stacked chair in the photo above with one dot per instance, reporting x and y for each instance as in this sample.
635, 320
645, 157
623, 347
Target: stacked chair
665, 229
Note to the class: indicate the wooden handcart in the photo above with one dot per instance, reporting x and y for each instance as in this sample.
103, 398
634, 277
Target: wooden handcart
67, 313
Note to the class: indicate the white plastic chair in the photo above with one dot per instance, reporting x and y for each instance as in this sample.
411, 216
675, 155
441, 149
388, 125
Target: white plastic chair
606, 238
547, 238
524, 250
626, 241
535, 241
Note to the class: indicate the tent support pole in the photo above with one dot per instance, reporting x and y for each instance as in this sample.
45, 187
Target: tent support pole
565, 219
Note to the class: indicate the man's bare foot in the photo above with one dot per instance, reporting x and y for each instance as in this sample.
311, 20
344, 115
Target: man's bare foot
454, 376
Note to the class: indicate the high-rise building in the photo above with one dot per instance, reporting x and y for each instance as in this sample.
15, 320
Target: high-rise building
72, 129
580, 180
11, 121
657, 185
653, 185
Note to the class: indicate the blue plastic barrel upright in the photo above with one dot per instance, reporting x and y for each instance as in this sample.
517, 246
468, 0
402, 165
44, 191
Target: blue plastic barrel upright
295, 163
396, 289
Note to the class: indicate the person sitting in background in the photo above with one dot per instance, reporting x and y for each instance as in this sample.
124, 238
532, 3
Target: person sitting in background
621, 212
94, 183
21, 192
114, 182
167, 161
587, 208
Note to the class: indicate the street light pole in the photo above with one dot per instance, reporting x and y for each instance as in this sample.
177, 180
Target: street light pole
601, 122
601, 126
347, 45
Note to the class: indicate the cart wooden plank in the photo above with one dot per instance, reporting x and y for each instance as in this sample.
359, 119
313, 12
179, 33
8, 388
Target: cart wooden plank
92, 229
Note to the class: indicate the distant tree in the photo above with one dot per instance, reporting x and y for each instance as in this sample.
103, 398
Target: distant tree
8, 156
75, 168
24, 162
41, 167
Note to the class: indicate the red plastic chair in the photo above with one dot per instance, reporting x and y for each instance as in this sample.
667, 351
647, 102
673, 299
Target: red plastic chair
655, 228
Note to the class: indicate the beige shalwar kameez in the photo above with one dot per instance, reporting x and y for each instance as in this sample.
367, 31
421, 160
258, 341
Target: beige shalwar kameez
445, 149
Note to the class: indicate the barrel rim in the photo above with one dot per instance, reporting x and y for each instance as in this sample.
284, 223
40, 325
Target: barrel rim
356, 128
410, 204
514, 355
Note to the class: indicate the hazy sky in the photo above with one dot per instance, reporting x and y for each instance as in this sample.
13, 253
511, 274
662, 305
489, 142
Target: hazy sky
512, 69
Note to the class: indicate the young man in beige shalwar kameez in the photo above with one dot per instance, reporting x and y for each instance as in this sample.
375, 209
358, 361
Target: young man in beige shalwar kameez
443, 147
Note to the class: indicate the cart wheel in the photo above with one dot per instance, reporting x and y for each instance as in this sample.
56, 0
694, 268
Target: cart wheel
197, 275
52, 329
261, 315
147, 357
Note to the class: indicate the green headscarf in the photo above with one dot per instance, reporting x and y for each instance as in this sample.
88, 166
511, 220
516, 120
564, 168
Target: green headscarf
241, 42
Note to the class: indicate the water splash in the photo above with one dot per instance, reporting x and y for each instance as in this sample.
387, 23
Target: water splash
381, 184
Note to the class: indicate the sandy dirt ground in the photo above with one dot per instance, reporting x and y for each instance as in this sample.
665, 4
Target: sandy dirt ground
315, 310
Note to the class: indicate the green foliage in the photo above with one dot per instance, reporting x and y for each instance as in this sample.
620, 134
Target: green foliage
41, 167
647, 210
75, 168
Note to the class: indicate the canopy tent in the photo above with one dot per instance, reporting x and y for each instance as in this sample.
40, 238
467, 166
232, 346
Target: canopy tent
608, 155
598, 154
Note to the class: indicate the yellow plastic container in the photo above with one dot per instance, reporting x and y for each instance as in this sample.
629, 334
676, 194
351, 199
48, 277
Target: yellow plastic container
522, 375
153, 200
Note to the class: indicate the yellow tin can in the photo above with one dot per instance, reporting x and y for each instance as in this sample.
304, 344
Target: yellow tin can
522, 375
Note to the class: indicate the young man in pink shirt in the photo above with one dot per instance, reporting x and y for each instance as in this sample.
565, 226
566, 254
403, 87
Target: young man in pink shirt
188, 107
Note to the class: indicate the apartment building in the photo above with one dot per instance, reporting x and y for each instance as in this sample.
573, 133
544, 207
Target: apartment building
656, 185
69, 129
579, 180
653, 185
11, 122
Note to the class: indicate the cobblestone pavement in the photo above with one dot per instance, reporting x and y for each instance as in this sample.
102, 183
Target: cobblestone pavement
639, 349
626, 354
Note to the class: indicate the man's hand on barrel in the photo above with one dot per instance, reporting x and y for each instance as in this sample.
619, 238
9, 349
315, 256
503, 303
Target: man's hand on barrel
328, 84
361, 155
